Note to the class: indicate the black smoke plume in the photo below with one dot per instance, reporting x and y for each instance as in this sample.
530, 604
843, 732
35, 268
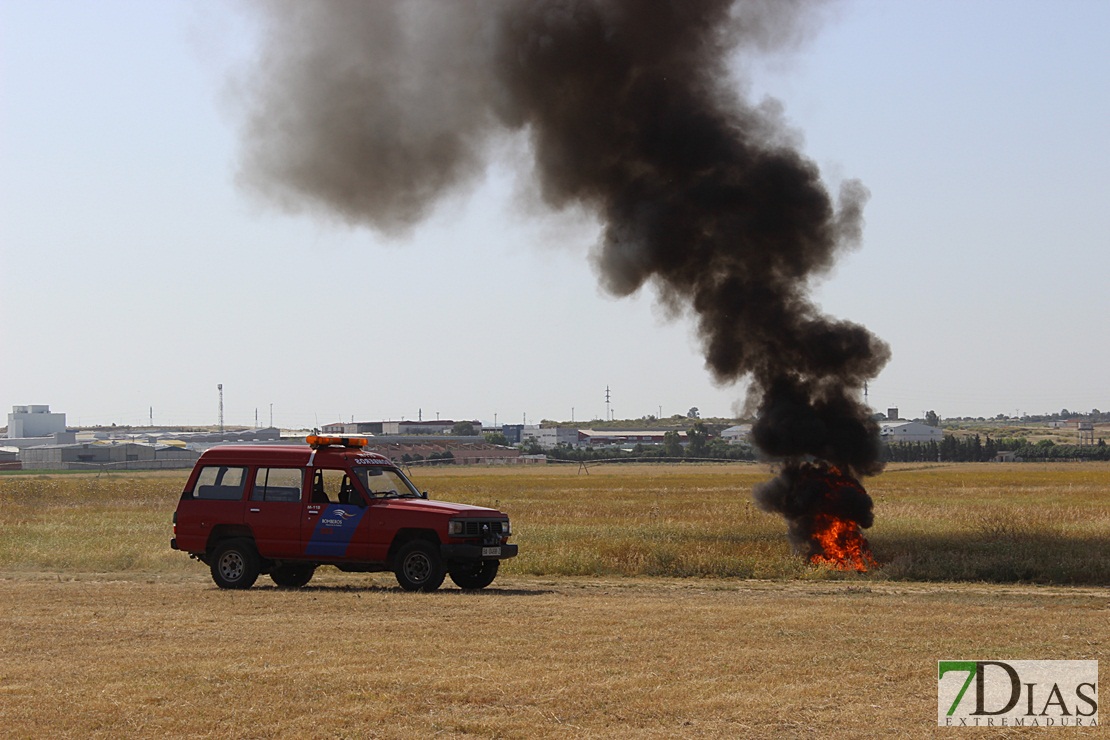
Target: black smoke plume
373, 111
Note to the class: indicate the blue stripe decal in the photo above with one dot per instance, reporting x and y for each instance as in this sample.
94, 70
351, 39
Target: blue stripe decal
334, 530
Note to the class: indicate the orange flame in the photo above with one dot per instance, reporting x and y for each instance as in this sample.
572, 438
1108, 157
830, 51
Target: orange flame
839, 544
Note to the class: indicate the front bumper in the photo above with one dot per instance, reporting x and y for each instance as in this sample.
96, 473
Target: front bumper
468, 553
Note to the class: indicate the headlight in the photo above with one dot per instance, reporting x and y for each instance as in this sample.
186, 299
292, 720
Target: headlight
506, 528
454, 528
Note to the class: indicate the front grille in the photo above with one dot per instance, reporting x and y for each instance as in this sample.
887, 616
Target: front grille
483, 527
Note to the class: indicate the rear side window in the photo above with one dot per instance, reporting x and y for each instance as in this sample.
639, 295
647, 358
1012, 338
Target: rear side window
221, 483
277, 484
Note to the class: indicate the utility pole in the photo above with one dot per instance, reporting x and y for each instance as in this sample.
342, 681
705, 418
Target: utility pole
271, 415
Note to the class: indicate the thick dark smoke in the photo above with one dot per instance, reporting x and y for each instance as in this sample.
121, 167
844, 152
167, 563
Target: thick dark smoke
373, 111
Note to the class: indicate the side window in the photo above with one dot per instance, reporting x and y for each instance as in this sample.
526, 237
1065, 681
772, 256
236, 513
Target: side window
220, 483
334, 487
277, 484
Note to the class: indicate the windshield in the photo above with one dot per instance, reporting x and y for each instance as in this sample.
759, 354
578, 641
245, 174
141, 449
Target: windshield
385, 483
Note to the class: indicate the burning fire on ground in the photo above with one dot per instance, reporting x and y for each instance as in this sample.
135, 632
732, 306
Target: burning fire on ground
840, 545
825, 510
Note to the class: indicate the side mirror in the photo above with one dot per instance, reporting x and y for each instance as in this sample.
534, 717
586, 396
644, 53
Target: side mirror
423, 494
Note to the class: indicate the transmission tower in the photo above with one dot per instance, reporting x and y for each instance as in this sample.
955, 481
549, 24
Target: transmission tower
220, 387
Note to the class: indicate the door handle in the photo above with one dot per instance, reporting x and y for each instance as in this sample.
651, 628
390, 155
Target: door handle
255, 511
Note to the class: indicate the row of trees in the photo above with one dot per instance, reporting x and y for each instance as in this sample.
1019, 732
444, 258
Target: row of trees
1094, 415
975, 449
952, 448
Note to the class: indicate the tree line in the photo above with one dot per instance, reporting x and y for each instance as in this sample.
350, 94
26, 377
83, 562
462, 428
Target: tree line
975, 449
952, 448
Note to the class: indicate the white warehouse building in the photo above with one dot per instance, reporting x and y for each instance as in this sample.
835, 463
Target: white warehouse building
34, 421
909, 431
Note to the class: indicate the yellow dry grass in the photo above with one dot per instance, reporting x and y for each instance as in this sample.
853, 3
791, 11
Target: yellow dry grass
105, 632
962, 522
958, 522
536, 657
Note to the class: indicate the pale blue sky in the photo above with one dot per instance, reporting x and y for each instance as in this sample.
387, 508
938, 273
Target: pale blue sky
135, 274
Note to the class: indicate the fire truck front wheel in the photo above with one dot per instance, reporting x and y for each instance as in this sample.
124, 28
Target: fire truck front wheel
419, 567
235, 564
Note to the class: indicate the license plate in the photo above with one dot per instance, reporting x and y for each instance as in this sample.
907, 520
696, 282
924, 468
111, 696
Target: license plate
491, 552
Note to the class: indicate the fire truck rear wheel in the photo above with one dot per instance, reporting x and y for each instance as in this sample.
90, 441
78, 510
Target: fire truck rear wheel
292, 576
235, 564
476, 576
419, 566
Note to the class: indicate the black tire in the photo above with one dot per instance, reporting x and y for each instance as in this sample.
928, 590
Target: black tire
235, 564
418, 566
292, 576
476, 576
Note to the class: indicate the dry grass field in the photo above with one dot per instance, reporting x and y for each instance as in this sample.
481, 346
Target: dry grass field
647, 602
565, 657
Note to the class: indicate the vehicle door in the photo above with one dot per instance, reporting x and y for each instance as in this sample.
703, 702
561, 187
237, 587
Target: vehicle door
330, 525
274, 511
216, 499
386, 486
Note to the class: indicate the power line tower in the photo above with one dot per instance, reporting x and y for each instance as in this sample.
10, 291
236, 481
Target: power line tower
608, 413
220, 388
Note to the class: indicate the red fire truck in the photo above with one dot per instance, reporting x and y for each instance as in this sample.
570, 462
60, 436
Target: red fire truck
285, 510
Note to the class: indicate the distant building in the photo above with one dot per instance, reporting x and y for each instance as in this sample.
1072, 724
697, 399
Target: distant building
57, 438
620, 438
94, 456
419, 447
395, 428
443, 426
513, 433
354, 427
204, 440
34, 421
909, 431
737, 434
551, 437
9, 459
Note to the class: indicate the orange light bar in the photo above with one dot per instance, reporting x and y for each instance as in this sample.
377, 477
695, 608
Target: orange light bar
316, 441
